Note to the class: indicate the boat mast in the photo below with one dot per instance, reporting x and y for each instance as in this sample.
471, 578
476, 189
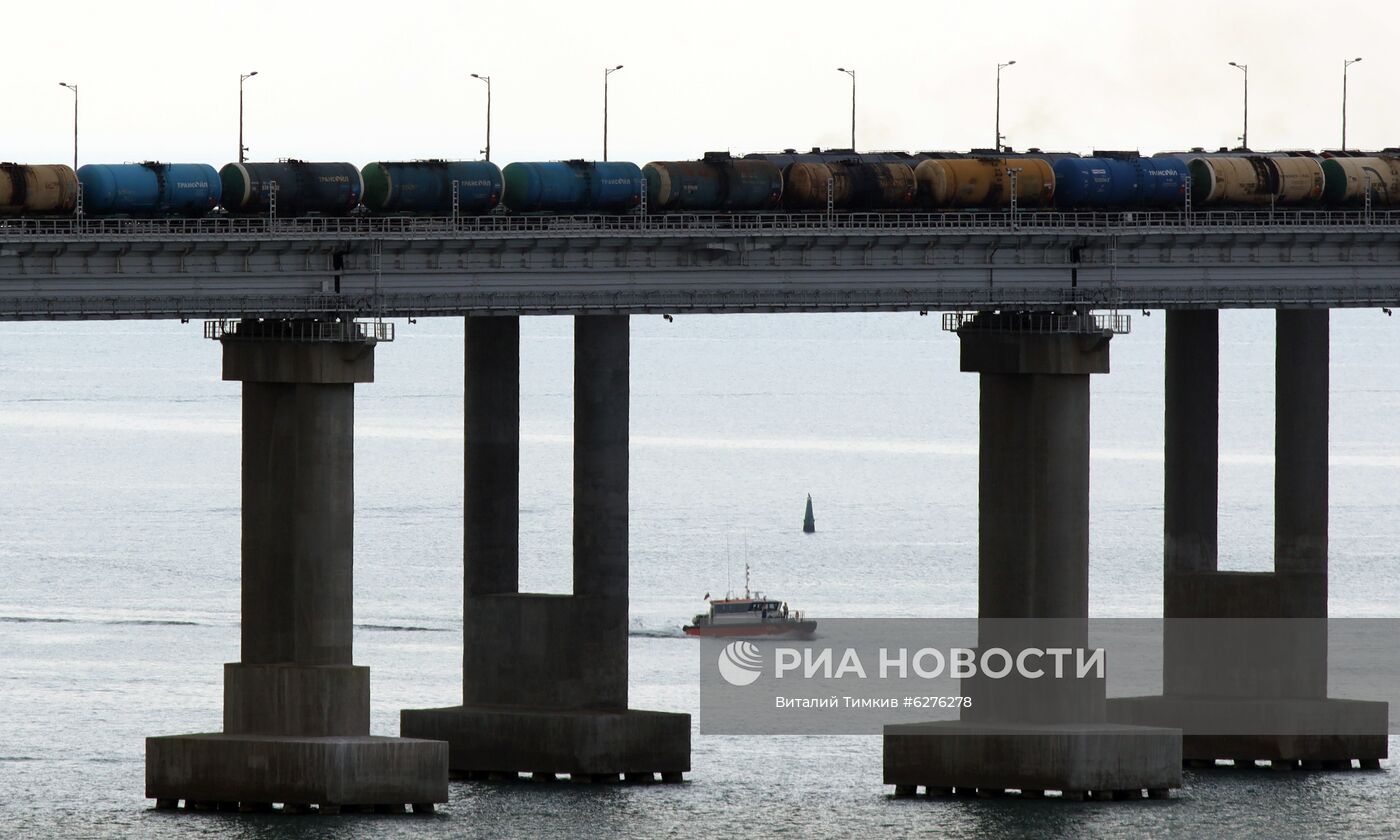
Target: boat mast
728, 581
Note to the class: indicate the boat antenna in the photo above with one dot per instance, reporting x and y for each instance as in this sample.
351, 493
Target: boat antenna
746, 579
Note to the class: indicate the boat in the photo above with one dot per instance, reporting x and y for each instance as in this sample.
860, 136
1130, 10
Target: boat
754, 614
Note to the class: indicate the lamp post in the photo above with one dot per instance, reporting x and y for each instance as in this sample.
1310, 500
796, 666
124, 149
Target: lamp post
607, 71
1244, 68
1346, 64
852, 74
1000, 67
242, 77
487, 80
74, 88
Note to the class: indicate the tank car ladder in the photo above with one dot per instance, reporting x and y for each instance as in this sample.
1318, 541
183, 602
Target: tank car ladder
1012, 173
830, 201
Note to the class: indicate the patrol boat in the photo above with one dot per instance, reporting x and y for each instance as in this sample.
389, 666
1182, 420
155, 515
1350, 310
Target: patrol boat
752, 615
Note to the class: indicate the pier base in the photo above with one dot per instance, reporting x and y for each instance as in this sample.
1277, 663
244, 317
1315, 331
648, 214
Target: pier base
1265, 729
501, 739
327, 771
1000, 757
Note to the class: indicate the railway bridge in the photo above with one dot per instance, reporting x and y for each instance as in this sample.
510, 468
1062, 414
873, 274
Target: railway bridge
1035, 298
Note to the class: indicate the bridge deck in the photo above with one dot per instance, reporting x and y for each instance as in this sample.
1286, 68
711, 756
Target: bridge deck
405, 266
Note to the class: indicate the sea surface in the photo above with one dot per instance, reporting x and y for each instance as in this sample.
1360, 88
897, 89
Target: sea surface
119, 556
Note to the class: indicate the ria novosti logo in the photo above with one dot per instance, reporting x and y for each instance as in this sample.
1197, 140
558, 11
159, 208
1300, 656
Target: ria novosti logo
740, 663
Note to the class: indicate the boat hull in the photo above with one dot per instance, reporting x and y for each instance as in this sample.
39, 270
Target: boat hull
780, 629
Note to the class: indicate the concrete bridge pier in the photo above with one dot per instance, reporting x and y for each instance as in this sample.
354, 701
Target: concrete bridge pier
296, 708
544, 677
1245, 653
1033, 588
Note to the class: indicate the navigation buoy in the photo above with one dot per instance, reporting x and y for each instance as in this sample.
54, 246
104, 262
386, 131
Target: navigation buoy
809, 522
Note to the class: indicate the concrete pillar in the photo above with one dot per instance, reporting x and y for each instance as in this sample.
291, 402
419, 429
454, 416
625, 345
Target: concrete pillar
491, 456
1033, 585
544, 677
1033, 539
1300, 460
296, 708
1191, 484
1301, 421
1033, 483
1192, 441
602, 383
298, 522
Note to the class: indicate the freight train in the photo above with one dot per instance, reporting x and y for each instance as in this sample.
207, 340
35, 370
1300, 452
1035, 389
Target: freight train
789, 181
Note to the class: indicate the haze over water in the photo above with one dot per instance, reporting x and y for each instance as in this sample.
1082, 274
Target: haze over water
119, 563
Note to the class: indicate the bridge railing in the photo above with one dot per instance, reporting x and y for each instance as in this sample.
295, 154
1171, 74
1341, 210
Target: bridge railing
1038, 322
300, 330
499, 225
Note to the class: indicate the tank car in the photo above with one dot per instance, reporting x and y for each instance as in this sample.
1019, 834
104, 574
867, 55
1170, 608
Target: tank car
37, 190
852, 184
149, 189
1347, 179
1255, 179
303, 188
1094, 182
984, 182
1119, 179
718, 182
424, 187
573, 186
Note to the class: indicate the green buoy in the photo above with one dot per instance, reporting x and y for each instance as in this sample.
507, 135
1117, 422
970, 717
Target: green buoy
809, 522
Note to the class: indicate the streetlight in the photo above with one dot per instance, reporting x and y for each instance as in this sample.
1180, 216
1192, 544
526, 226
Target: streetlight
852, 74
1345, 64
607, 71
74, 88
1000, 67
487, 80
242, 77
1244, 138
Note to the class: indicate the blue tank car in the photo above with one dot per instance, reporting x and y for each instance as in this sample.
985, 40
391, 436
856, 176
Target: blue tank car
573, 186
425, 186
149, 189
1094, 182
1119, 180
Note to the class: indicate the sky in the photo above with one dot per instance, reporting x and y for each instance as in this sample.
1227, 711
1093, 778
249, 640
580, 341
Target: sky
360, 81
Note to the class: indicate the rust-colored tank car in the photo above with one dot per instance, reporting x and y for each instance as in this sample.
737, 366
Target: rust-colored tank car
984, 182
1348, 177
37, 190
855, 185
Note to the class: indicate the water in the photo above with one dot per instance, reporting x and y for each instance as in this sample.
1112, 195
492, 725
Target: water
119, 559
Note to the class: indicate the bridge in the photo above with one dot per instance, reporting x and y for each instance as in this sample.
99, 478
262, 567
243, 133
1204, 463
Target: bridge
675, 263
283, 297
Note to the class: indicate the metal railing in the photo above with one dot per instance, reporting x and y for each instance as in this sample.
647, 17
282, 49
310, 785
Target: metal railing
300, 330
1037, 322
498, 225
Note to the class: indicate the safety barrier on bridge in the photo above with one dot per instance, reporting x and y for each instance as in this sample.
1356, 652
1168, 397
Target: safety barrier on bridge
300, 330
1038, 322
